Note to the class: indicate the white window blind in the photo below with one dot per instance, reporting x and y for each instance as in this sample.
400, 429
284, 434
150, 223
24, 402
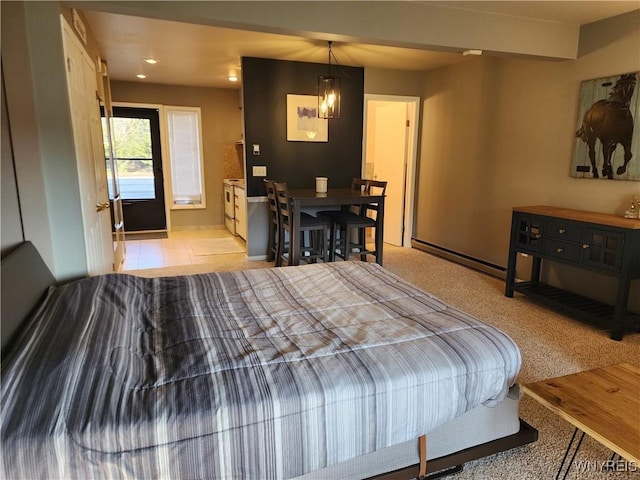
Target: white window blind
185, 154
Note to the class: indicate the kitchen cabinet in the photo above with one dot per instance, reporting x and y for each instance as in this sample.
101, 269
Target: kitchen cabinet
240, 202
598, 242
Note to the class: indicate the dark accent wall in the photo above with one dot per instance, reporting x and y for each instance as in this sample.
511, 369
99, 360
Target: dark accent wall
266, 84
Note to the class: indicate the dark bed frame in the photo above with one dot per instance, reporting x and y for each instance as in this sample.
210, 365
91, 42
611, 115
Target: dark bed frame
439, 467
26, 279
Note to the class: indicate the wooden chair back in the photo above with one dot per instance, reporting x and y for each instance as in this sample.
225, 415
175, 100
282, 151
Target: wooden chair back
378, 187
375, 187
360, 184
282, 199
377, 184
272, 200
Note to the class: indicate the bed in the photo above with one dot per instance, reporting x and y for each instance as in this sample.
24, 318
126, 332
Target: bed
318, 371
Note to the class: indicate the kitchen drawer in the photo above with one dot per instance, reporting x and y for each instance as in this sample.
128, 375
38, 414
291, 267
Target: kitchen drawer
564, 230
567, 251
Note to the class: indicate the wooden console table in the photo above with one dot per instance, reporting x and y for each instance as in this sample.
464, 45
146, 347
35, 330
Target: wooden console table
604, 403
593, 241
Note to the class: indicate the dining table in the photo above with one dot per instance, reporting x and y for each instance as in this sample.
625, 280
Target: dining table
308, 198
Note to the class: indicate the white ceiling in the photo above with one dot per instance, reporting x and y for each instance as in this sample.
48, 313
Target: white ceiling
578, 12
202, 55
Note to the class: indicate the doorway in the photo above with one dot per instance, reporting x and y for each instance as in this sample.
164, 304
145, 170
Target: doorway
136, 138
390, 154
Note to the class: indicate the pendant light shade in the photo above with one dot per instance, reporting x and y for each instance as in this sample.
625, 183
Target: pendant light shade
329, 93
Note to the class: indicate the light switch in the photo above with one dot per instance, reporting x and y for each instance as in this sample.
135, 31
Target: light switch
260, 171
256, 149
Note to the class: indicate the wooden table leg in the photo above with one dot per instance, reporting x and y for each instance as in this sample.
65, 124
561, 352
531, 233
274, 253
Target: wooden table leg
511, 273
294, 234
380, 231
620, 312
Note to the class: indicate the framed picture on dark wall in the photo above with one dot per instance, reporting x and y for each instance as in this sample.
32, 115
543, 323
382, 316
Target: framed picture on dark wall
303, 122
607, 144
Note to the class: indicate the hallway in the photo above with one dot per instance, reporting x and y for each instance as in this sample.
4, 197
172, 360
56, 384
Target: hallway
182, 247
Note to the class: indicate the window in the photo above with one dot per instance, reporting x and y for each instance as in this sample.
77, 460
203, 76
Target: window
185, 157
132, 144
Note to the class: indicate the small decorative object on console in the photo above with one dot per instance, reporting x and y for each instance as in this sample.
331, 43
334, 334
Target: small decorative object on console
633, 211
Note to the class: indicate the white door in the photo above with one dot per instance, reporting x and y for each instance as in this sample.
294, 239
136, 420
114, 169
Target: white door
389, 154
87, 134
104, 91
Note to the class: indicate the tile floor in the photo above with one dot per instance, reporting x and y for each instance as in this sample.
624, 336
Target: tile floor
174, 250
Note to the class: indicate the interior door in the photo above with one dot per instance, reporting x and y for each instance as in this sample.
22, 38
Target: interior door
117, 222
87, 133
136, 136
385, 159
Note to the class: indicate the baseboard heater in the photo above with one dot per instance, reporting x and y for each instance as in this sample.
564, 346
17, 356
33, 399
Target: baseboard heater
461, 258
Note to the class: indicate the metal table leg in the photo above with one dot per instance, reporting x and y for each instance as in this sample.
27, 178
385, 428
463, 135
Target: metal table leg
566, 454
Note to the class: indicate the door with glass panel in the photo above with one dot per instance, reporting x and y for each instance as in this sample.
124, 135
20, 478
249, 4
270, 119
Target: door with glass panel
136, 138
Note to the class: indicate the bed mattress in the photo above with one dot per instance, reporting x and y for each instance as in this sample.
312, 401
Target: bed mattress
268, 373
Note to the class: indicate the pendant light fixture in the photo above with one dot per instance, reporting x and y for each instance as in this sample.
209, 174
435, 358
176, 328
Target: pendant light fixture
329, 93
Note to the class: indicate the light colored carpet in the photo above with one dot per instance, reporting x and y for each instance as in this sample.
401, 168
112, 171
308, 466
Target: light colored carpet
214, 246
551, 345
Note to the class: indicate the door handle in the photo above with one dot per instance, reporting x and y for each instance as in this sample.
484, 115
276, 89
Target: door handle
102, 206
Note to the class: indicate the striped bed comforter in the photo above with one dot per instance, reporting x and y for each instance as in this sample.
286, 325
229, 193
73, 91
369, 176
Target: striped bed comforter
267, 373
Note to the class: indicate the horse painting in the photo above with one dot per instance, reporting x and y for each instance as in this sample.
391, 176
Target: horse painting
611, 122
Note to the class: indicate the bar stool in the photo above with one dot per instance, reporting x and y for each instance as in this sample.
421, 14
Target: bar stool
274, 222
317, 228
353, 217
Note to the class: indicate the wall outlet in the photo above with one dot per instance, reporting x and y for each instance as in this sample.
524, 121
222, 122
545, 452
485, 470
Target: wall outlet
260, 171
256, 149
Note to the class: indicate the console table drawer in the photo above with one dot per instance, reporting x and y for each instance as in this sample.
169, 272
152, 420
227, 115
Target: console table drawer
570, 252
564, 230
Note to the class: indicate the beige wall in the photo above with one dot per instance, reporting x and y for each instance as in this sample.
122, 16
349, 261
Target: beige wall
42, 135
394, 82
41, 138
499, 132
221, 125
11, 231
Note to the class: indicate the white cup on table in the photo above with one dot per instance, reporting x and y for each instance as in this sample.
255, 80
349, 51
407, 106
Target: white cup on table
321, 184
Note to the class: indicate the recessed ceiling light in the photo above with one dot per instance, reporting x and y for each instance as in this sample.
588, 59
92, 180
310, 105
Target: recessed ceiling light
141, 75
151, 61
233, 78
